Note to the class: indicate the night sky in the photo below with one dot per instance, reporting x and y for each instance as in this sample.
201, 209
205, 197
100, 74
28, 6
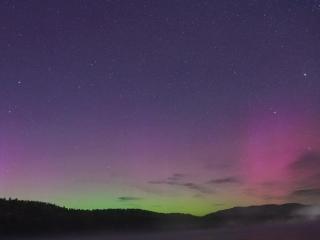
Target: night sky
169, 105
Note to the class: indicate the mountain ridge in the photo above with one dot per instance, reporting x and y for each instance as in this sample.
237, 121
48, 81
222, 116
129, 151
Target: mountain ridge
33, 217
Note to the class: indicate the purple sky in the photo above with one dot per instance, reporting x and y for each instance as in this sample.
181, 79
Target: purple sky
180, 105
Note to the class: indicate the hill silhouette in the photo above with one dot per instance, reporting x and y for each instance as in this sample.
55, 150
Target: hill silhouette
255, 214
30, 217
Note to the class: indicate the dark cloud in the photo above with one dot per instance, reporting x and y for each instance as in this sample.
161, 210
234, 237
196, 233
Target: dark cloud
308, 161
190, 185
305, 172
226, 180
310, 192
164, 182
176, 177
126, 198
196, 187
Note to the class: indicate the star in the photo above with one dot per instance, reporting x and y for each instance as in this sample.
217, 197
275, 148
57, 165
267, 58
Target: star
305, 74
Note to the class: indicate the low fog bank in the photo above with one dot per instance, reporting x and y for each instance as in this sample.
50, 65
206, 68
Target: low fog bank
294, 231
310, 213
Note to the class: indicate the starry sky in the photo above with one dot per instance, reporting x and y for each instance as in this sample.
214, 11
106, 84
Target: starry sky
173, 106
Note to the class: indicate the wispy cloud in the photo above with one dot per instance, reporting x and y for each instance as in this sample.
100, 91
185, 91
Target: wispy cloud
179, 180
226, 180
176, 177
126, 198
310, 192
197, 187
305, 172
310, 161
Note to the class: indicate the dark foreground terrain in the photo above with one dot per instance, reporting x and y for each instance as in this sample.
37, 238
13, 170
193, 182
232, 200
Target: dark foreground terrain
36, 220
302, 231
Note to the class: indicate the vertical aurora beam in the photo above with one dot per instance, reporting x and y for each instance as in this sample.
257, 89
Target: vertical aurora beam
275, 140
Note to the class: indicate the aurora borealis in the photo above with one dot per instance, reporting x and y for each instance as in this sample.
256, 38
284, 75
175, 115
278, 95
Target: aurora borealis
173, 105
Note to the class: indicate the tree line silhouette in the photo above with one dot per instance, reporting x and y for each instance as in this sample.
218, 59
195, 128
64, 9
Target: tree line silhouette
31, 217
